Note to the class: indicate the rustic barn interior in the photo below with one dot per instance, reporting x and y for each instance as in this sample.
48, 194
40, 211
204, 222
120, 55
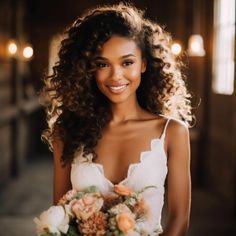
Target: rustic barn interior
25, 161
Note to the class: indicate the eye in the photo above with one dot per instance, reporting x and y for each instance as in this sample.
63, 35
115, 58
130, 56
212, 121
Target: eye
100, 65
128, 63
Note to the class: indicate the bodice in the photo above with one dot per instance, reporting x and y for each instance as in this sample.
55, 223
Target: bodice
151, 170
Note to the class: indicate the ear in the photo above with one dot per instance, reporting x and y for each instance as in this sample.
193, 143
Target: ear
144, 65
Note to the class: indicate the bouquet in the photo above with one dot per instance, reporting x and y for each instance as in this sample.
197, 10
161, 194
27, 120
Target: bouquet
91, 213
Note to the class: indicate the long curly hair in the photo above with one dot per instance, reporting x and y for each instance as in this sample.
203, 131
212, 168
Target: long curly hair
76, 110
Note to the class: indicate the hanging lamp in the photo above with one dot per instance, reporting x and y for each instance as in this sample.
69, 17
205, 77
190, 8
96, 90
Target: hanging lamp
195, 42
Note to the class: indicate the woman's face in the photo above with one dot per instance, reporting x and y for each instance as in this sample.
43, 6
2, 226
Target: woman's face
119, 68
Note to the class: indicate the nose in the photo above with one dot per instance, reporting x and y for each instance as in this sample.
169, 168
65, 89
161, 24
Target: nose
116, 73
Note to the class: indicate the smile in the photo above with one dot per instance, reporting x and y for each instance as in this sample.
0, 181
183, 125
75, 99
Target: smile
117, 89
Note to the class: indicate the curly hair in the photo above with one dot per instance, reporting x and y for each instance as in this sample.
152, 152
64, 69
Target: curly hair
77, 111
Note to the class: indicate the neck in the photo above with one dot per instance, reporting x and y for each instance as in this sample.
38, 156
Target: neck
122, 112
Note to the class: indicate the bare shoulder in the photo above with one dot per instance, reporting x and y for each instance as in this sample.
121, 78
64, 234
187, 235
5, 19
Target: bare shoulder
177, 133
177, 127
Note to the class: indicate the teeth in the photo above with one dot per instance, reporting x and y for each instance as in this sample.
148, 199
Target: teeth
117, 87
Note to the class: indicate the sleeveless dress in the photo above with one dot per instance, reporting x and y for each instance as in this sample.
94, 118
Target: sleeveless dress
151, 170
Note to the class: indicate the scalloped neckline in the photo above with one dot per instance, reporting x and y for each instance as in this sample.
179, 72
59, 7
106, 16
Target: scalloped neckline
131, 165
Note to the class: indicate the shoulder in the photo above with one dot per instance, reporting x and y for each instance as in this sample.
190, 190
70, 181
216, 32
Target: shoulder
177, 133
177, 127
173, 126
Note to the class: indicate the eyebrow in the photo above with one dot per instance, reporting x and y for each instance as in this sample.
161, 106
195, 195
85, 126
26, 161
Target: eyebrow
122, 57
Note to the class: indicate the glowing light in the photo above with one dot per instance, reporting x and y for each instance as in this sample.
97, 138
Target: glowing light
176, 48
223, 67
12, 48
28, 52
195, 46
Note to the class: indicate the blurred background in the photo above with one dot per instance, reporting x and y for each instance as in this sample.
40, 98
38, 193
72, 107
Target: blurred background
203, 31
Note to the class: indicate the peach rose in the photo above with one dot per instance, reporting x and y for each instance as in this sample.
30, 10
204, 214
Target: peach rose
125, 222
122, 190
142, 208
67, 197
87, 205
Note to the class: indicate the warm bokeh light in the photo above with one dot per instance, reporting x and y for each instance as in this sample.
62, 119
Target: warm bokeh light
28, 52
12, 48
195, 46
176, 48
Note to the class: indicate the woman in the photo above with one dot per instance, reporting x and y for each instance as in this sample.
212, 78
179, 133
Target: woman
119, 113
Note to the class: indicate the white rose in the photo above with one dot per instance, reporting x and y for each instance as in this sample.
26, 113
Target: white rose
54, 220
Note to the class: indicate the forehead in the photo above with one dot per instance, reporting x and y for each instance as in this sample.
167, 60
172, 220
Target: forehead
119, 46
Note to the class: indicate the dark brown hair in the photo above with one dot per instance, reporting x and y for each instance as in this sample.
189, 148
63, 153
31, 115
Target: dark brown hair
77, 111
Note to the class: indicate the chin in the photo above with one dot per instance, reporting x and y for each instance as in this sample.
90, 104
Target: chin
117, 100
126, 99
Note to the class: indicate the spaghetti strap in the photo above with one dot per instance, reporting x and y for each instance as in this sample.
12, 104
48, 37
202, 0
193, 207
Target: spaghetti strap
164, 129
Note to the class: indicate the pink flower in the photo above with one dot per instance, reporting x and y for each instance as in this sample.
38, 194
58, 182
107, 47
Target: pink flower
87, 205
122, 190
67, 197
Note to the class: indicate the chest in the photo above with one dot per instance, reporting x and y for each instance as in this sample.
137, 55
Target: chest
150, 171
119, 149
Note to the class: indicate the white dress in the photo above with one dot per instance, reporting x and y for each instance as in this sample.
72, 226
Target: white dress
151, 170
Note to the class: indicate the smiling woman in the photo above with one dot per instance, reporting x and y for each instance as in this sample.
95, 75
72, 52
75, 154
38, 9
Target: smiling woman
119, 69
118, 115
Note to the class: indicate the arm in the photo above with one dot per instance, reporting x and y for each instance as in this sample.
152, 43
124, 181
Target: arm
61, 180
178, 179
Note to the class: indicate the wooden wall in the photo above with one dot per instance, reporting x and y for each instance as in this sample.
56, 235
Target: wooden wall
18, 100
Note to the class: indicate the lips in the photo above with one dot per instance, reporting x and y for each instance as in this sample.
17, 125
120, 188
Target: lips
117, 89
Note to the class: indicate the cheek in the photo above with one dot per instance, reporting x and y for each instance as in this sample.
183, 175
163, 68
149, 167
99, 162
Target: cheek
135, 73
101, 76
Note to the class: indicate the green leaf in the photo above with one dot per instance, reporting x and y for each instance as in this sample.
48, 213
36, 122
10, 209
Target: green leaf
73, 231
92, 189
79, 195
145, 188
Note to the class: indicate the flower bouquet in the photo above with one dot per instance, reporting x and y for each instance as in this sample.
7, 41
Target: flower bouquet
90, 213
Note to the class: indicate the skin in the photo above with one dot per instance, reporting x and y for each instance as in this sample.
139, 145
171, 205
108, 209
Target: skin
130, 132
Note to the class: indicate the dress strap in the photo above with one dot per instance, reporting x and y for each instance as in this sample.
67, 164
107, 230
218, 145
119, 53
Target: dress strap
164, 129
